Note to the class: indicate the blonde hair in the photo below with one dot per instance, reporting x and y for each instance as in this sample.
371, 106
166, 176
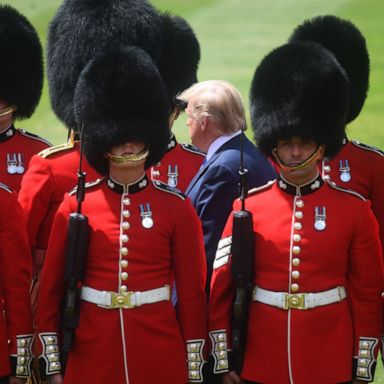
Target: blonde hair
219, 100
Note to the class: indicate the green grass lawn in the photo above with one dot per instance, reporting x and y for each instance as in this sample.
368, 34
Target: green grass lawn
234, 36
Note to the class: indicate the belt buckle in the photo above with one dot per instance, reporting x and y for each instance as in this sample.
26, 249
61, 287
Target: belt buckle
294, 301
122, 300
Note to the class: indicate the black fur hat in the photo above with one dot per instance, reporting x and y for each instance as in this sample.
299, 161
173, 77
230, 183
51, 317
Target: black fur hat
21, 68
180, 55
299, 89
120, 96
347, 43
82, 29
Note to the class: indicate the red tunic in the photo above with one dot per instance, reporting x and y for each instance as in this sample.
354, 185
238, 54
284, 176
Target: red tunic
15, 277
365, 175
51, 174
16, 149
317, 345
179, 165
145, 344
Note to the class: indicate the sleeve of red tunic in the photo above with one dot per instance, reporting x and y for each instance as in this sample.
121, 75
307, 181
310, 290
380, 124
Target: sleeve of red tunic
365, 287
221, 300
51, 290
15, 270
35, 194
377, 193
190, 276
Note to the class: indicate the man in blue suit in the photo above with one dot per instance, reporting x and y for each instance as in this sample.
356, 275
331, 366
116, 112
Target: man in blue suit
216, 120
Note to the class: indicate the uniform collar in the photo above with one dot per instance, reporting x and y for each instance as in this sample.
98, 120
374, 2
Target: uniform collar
172, 142
8, 133
300, 190
121, 189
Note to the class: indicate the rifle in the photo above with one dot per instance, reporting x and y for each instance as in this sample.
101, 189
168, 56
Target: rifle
242, 269
77, 245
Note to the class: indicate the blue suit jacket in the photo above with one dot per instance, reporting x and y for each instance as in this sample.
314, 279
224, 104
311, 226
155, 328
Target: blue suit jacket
216, 186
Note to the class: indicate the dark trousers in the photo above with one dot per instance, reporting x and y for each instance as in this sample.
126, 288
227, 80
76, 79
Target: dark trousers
4, 380
254, 382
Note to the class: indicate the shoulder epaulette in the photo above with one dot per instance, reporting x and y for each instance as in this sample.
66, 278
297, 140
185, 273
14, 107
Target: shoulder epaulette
368, 147
255, 190
57, 148
166, 188
87, 185
33, 136
5, 187
193, 149
333, 185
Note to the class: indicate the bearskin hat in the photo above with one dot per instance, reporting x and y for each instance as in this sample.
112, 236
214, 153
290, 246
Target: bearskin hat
119, 97
21, 69
299, 89
82, 29
180, 55
347, 43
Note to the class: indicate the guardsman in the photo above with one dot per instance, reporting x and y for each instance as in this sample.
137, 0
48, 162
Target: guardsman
357, 166
137, 243
178, 68
15, 276
315, 315
21, 83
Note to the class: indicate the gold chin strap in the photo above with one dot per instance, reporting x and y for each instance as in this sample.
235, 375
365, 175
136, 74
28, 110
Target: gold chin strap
7, 110
124, 159
314, 157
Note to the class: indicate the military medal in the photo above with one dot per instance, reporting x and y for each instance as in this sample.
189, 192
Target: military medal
20, 164
11, 163
320, 216
172, 176
146, 216
345, 174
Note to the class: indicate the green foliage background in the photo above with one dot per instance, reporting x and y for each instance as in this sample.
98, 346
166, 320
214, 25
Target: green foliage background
234, 36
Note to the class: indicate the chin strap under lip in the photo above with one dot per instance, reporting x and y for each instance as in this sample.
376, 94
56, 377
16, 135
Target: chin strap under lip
314, 157
7, 110
134, 157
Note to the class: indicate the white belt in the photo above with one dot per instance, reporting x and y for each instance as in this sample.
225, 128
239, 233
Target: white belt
127, 300
285, 300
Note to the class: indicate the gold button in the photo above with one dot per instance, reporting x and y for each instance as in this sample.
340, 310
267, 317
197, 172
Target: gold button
21, 360
364, 353
194, 374
124, 238
223, 363
363, 362
222, 354
193, 356
22, 342
125, 225
298, 226
299, 215
296, 249
300, 203
296, 238
364, 344
21, 351
124, 276
363, 372
193, 365
221, 346
51, 340
296, 261
221, 337
294, 287
20, 370
120, 300
123, 288
295, 274
126, 201
192, 347
326, 177
124, 251
124, 263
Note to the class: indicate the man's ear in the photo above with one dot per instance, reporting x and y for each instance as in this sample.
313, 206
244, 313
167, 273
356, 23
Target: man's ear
204, 123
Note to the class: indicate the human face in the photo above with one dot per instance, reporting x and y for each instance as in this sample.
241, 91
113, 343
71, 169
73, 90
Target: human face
295, 151
194, 123
6, 119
